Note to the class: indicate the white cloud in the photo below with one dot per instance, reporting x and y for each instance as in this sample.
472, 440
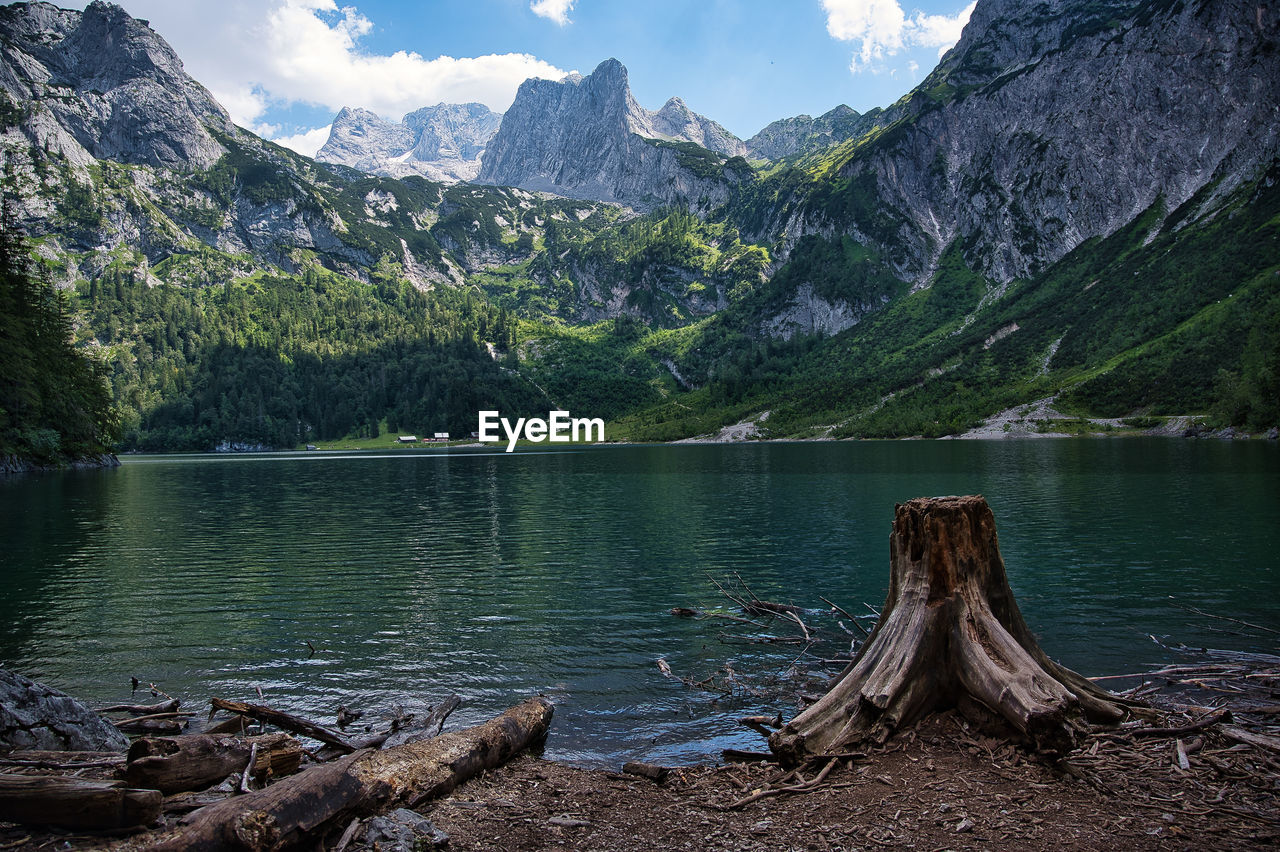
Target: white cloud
880, 28
255, 55
940, 31
305, 143
318, 61
553, 10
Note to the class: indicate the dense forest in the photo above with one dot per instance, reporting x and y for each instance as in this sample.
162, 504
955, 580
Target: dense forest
276, 360
55, 405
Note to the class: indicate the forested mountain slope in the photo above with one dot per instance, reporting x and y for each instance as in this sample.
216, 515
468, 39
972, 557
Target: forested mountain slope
1079, 203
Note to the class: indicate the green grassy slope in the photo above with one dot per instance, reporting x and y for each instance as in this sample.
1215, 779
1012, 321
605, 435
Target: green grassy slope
1178, 317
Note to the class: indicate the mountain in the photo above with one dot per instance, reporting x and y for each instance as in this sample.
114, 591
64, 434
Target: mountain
236, 292
131, 103
441, 143
1046, 127
1079, 207
675, 122
586, 137
1044, 217
803, 134
117, 152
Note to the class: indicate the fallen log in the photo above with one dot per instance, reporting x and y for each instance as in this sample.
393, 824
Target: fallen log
950, 635
169, 706
63, 760
430, 727
154, 726
75, 802
300, 809
179, 764
287, 721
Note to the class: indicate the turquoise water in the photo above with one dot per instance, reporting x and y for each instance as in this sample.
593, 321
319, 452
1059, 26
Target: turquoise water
416, 573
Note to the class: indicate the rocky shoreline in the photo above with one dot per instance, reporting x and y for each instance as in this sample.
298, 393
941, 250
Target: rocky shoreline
945, 783
11, 465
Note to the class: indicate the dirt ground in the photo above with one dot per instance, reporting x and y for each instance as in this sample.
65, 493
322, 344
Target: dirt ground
1199, 771
943, 786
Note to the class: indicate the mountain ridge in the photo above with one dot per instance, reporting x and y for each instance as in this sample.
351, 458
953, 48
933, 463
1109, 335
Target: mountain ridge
132, 103
924, 271
1027, 139
441, 143
802, 134
587, 137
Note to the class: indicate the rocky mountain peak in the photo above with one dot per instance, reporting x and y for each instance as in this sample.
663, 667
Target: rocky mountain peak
111, 47
676, 121
587, 137
442, 142
611, 72
803, 133
100, 84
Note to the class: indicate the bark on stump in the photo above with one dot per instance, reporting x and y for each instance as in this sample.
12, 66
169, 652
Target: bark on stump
950, 635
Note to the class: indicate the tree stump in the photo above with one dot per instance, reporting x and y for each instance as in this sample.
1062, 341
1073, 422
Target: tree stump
950, 636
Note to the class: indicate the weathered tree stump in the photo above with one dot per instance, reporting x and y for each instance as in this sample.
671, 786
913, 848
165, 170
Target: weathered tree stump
950, 636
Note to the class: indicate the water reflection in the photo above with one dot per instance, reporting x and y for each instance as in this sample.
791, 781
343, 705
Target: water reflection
499, 575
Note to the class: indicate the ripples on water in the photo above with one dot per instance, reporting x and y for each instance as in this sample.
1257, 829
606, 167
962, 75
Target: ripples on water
414, 574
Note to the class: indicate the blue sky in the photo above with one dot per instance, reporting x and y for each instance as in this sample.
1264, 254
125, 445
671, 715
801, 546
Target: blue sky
284, 67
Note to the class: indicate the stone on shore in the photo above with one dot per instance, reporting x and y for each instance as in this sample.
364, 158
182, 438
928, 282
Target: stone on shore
34, 716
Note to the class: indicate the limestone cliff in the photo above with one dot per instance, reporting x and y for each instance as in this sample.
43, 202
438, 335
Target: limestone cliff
103, 85
443, 142
1050, 124
586, 137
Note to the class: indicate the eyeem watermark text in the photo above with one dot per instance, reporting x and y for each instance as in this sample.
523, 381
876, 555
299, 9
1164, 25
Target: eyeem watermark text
558, 428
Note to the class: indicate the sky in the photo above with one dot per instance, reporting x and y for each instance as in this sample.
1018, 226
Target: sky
283, 68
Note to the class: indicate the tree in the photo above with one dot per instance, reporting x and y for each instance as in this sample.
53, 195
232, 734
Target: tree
950, 635
54, 402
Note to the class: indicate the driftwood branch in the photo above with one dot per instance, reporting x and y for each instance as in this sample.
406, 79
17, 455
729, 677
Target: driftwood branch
1214, 719
287, 721
75, 802
301, 809
430, 727
845, 613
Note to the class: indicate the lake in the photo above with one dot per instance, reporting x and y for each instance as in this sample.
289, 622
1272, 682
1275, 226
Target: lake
422, 572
